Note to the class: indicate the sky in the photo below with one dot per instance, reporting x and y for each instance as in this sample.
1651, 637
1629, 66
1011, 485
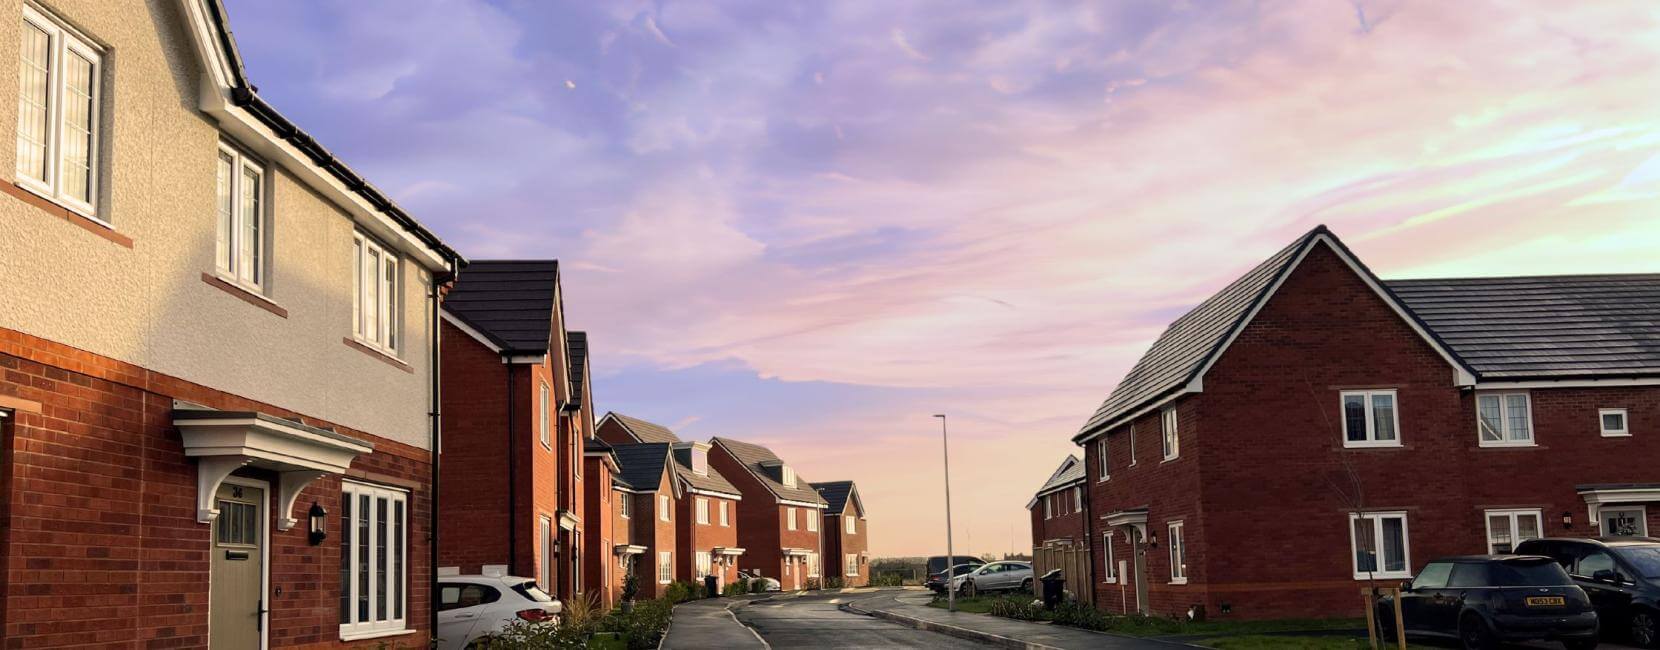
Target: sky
813, 225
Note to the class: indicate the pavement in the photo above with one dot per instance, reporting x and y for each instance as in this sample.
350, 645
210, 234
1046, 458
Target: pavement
817, 620
709, 623
910, 607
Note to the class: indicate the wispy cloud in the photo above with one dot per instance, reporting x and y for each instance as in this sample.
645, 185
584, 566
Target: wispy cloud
864, 213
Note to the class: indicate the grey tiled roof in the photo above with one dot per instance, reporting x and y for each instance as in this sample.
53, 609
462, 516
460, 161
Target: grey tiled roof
713, 481
1070, 471
577, 343
1544, 327
645, 431
508, 301
751, 456
1184, 347
642, 465
835, 493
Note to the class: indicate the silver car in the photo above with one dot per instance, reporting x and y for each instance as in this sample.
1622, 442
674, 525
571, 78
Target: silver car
996, 576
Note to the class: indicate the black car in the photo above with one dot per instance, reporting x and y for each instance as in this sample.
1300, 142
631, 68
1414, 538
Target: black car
937, 579
1485, 600
1622, 576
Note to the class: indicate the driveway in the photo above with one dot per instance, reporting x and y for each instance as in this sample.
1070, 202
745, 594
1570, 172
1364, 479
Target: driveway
816, 621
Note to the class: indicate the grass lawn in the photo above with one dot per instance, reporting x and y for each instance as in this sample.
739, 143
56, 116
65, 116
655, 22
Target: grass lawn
976, 605
1267, 641
1154, 626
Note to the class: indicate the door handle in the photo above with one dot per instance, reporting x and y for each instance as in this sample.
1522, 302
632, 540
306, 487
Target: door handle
463, 615
259, 615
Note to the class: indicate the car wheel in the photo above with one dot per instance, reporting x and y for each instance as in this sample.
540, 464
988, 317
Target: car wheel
1473, 632
1026, 585
969, 590
1642, 629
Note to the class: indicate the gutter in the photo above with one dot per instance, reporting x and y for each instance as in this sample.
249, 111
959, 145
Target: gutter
437, 437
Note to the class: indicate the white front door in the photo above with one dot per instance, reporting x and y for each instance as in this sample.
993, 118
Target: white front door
236, 588
1624, 521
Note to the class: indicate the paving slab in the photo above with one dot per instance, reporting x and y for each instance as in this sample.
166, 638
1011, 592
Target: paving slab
709, 623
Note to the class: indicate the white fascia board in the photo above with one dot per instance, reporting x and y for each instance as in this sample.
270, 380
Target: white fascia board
1568, 383
1195, 386
802, 504
713, 493
525, 359
468, 329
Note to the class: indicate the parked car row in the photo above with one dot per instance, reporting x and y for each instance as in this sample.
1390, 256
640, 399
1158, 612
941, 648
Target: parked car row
1574, 591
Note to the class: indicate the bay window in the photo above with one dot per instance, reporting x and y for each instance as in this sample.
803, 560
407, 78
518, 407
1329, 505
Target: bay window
58, 116
373, 559
1378, 544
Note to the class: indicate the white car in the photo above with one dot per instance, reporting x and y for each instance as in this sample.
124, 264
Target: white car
475, 607
996, 576
766, 584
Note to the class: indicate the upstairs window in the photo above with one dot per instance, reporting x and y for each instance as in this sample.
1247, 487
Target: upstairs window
789, 518
1101, 458
723, 517
852, 524
57, 112
1132, 445
375, 295
1077, 499
700, 461
625, 505
663, 507
812, 521
1613, 423
788, 475
1369, 419
1504, 419
702, 511
543, 428
240, 206
1172, 440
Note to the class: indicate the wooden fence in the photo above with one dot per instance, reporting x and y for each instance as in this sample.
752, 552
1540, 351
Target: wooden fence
1073, 561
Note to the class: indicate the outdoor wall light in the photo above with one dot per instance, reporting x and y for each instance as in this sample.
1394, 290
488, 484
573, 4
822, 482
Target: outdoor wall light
319, 530
1567, 520
1152, 540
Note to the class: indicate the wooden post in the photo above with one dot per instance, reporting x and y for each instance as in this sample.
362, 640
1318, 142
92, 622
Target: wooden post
1371, 618
1400, 623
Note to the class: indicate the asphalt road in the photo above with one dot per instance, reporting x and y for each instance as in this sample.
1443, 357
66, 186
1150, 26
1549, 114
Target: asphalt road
816, 622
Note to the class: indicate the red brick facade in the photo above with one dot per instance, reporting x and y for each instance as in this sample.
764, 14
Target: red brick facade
763, 526
100, 545
1058, 517
602, 574
648, 529
1256, 486
694, 537
838, 544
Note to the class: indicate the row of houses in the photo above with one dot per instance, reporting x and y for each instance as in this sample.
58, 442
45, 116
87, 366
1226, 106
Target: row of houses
246, 400
1311, 428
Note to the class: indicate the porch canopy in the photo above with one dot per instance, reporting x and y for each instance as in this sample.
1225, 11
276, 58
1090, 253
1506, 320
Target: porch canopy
727, 550
1623, 501
223, 441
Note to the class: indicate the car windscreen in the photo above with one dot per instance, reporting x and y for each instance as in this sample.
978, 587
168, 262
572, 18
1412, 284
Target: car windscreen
532, 592
1645, 560
1535, 572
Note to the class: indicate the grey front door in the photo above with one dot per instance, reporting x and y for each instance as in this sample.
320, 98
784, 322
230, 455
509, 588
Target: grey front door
237, 578
1139, 551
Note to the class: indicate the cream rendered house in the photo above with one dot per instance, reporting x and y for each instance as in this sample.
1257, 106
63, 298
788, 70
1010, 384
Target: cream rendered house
217, 368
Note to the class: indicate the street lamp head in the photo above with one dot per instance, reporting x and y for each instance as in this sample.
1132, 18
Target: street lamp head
939, 415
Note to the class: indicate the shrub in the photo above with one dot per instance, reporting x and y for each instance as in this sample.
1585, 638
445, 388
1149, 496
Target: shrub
735, 588
1017, 608
643, 628
681, 591
814, 584
631, 587
834, 583
887, 580
1078, 614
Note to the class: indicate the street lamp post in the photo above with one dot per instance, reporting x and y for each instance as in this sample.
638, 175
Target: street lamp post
950, 553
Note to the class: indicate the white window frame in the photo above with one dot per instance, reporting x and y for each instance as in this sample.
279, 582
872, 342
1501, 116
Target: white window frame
1102, 465
663, 507
544, 540
1177, 543
1513, 515
1170, 433
1132, 445
702, 511
385, 335
1504, 421
543, 423
1077, 498
1625, 423
61, 40
850, 565
850, 524
812, 565
1377, 535
1641, 510
789, 517
705, 564
230, 262
787, 475
812, 519
625, 506
724, 521
359, 629
665, 567
1371, 433
1049, 506
1112, 567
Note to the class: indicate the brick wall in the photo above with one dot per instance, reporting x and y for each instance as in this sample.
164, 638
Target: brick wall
760, 518
601, 576
101, 543
1067, 522
838, 543
693, 537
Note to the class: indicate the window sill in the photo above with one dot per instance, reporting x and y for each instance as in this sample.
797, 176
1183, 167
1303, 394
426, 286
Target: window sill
1616, 435
93, 225
389, 359
377, 634
1349, 444
1178, 581
1110, 581
1171, 459
244, 294
1394, 575
1507, 445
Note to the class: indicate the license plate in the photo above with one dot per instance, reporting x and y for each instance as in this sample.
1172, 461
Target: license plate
1545, 601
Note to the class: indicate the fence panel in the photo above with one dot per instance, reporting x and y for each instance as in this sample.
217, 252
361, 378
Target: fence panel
1073, 561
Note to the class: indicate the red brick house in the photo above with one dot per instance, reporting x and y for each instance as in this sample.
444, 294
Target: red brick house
1467, 414
779, 517
706, 504
646, 493
217, 355
517, 410
1057, 509
604, 569
846, 533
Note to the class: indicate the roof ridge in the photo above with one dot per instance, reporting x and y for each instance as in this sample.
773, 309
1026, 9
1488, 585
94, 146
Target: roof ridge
1562, 276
